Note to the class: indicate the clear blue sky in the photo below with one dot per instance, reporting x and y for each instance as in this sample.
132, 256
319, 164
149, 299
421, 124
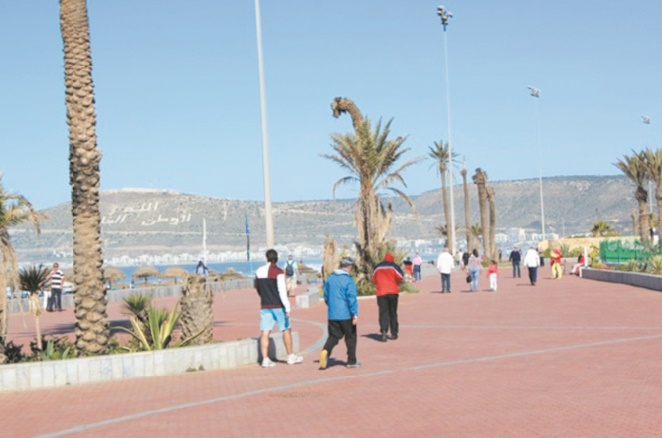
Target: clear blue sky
178, 104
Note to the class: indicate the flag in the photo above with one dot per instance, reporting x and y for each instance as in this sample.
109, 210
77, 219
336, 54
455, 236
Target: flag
248, 240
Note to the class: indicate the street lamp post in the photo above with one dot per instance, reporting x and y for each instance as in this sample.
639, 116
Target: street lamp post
445, 16
536, 93
269, 226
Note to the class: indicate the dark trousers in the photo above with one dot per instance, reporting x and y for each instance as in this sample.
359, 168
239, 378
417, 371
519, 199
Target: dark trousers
445, 282
338, 330
388, 313
516, 270
533, 275
55, 300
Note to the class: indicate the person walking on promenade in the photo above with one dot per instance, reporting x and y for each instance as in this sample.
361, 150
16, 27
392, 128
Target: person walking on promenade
556, 259
418, 264
516, 259
445, 265
57, 280
201, 268
465, 259
532, 261
290, 275
387, 277
474, 266
274, 308
492, 275
343, 313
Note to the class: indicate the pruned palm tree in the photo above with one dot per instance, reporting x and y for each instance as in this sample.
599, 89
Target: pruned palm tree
652, 160
492, 221
443, 162
480, 179
92, 330
476, 232
371, 159
197, 316
330, 257
14, 209
635, 169
34, 279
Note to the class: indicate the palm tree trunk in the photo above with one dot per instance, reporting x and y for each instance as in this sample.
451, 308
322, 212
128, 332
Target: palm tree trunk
196, 305
480, 181
644, 219
467, 223
492, 220
91, 328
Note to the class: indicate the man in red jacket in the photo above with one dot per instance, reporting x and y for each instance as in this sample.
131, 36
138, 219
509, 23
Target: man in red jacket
387, 277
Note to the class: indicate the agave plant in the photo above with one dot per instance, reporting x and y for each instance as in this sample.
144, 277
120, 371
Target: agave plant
157, 332
655, 265
33, 279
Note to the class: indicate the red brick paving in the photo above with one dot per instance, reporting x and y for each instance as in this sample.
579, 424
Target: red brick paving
566, 358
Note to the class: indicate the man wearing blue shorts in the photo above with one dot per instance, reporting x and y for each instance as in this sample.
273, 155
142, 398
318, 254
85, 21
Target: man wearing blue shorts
274, 308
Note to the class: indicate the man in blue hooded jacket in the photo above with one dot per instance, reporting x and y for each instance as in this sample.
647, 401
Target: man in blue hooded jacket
343, 312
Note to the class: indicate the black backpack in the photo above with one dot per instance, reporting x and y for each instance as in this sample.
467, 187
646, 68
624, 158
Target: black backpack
289, 269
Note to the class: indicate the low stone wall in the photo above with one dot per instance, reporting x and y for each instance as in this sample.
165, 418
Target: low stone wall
647, 281
18, 305
223, 355
309, 298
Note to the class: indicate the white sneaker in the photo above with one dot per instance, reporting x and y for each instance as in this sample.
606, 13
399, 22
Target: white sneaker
294, 359
267, 363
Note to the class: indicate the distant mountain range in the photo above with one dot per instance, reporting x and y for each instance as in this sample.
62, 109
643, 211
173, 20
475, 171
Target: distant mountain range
136, 221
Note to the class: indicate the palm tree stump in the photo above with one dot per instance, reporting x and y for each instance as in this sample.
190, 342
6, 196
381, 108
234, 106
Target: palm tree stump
196, 307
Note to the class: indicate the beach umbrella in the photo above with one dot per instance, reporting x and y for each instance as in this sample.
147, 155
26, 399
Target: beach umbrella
175, 272
145, 272
230, 274
112, 273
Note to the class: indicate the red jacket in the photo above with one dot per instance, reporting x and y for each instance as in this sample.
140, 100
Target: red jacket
387, 277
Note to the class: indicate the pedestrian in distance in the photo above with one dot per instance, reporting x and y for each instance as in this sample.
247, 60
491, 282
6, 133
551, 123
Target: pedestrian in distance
418, 264
201, 269
532, 261
343, 313
56, 280
492, 275
445, 264
274, 308
516, 259
290, 275
387, 277
474, 266
556, 259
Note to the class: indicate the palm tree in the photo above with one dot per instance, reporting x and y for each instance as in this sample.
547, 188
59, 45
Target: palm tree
14, 209
92, 330
634, 168
440, 153
34, 279
492, 221
480, 179
370, 157
653, 163
467, 225
602, 229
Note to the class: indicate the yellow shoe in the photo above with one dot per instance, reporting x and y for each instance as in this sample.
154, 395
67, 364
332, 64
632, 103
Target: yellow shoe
323, 356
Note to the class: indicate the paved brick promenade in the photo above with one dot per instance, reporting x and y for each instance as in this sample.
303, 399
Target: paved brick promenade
566, 358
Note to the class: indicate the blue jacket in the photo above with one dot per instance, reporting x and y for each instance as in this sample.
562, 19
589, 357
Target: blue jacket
340, 296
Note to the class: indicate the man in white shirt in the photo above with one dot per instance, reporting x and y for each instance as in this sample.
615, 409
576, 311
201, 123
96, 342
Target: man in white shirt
445, 265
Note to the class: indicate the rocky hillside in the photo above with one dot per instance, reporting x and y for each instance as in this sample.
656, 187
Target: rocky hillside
154, 221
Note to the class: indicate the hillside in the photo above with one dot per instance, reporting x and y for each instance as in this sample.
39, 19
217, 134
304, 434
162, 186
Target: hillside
154, 221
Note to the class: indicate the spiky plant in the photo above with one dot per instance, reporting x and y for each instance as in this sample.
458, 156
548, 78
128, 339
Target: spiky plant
33, 279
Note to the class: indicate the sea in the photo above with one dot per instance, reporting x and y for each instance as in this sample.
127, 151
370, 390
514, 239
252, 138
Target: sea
246, 268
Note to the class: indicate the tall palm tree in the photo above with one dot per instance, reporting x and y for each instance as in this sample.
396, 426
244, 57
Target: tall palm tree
443, 161
480, 179
492, 221
467, 225
14, 209
34, 279
197, 317
602, 229
92, 331
653, 164
635, 169
370, 158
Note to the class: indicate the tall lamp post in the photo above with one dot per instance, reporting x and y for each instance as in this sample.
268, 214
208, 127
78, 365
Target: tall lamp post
269, 225
445, 16
647, 121
536, 93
